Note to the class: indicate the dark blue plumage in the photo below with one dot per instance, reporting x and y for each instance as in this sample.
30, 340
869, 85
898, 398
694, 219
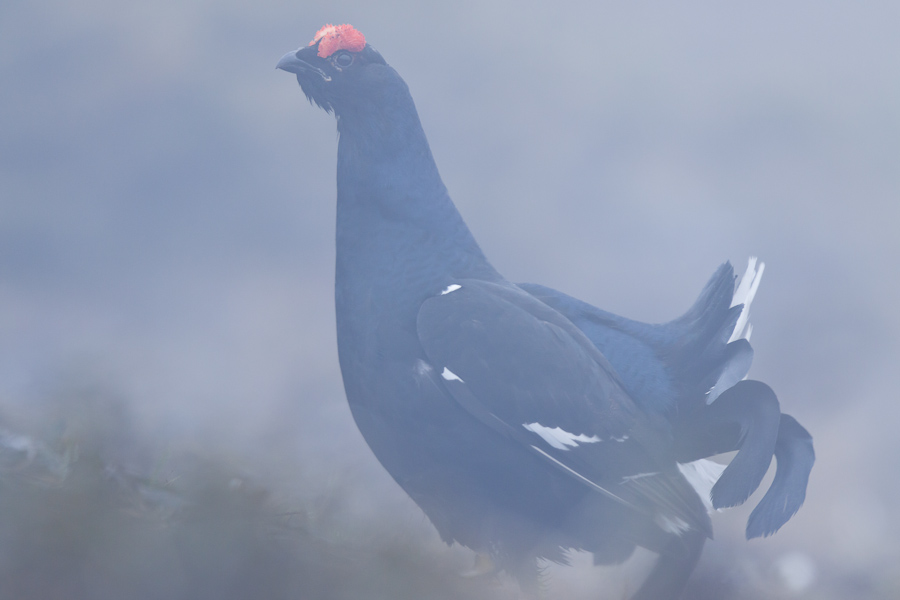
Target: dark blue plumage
668, 366
674, 368
522, 421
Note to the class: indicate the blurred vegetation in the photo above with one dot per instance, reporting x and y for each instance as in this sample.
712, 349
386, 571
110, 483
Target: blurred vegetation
92, 509
78, 525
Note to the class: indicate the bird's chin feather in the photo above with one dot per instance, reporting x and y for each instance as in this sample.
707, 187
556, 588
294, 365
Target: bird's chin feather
317, 99
312, 78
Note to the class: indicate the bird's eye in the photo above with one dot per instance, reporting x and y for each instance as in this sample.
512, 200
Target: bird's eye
343, 59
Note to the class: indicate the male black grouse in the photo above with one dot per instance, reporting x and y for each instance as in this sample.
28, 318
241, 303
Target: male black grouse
522, 421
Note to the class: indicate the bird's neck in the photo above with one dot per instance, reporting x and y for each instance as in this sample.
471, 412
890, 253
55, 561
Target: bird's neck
395, 218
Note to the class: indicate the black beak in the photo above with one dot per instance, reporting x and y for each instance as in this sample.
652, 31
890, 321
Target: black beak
292, 63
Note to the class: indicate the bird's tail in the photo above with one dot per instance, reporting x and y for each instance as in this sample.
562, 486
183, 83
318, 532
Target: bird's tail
713, 351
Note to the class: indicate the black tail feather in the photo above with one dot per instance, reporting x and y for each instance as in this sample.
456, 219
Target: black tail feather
795, 456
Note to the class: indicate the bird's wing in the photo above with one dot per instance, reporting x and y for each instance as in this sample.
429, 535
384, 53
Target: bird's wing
674, 366
527, 372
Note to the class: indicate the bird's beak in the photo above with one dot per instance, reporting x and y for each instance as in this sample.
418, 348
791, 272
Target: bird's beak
292, 63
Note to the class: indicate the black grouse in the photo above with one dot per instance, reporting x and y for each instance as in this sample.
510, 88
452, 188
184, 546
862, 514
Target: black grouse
522, 421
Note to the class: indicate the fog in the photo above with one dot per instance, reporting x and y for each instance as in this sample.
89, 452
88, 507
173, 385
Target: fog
166, 286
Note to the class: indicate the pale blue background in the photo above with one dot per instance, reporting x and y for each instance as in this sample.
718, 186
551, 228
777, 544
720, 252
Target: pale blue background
167, 205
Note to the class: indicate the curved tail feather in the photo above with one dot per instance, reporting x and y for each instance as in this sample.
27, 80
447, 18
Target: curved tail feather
691, 370
795, 456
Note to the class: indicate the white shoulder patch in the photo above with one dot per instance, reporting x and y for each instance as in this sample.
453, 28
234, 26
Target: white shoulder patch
744, 294
450, 288
702, 475
560, 438
450, 375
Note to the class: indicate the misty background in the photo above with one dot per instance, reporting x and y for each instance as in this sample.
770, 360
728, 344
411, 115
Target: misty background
167, 247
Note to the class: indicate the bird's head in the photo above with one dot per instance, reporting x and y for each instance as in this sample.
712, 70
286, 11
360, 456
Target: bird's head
337, 68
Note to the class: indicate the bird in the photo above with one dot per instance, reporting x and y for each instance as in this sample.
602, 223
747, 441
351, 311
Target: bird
524, 422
